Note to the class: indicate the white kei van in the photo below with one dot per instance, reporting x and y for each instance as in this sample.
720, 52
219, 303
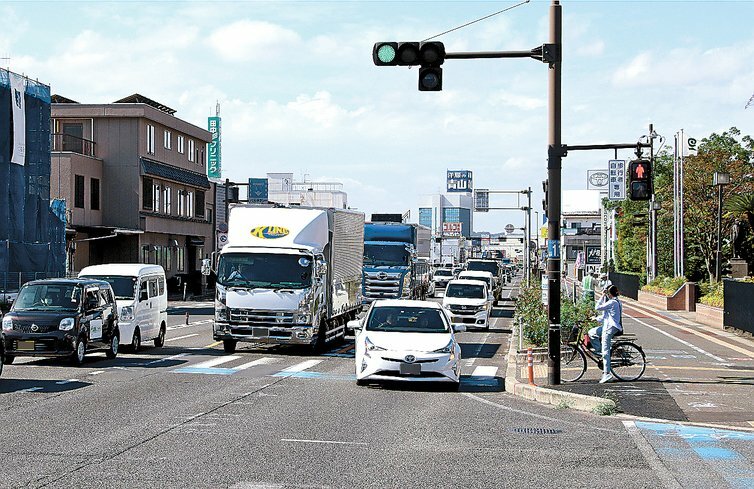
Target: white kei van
142, 299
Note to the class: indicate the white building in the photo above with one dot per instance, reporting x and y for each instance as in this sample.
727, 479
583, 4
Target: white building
284, 190
581, 236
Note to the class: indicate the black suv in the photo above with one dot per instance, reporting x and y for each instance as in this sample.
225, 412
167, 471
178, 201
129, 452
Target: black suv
61, 318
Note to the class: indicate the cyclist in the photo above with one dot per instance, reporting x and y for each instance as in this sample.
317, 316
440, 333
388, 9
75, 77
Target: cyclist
601, 337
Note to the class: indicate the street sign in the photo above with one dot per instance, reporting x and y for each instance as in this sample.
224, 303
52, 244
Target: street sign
258, 190
593, 255
617, 185
451, 229
222, 240
481, 200
597, 180
509, 228
553, 248
459, 181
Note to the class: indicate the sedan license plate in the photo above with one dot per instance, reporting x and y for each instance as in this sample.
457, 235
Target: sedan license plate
26, 345
260, 332
410, 369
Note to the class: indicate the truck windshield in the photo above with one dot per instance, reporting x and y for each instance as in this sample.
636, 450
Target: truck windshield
385, 255
267, 270
406, 320
124, 287
443, 272
465, 291
48, 297
483, 266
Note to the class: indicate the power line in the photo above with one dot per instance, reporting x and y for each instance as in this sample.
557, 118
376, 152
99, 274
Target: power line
477, 20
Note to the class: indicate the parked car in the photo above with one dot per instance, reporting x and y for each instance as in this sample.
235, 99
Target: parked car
61, 318
493, 286
409, 341
142, 300
469, 302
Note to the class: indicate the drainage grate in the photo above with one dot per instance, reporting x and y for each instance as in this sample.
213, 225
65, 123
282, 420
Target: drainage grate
537, 431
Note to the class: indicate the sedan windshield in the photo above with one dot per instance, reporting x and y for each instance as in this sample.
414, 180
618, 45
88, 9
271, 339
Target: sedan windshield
266, 270
465, 291
396, 319
48, 297
124, 287
444, 273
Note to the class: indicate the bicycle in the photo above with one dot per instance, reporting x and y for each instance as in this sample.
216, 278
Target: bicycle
627, 359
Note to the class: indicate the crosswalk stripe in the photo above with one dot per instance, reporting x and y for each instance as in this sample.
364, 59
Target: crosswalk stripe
216, 361
258, 361
182, 337
484, 372
300, 367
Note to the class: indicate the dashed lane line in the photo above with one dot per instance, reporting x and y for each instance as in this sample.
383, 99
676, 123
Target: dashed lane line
181, 337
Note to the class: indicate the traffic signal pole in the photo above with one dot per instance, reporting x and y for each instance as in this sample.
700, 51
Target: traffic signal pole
555, 154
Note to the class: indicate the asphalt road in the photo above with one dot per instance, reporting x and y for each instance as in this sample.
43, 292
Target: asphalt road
189, 415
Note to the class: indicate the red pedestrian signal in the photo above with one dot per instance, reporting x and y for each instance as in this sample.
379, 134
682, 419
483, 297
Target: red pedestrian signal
640, 180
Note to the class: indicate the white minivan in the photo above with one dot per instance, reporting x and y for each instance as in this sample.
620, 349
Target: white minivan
142, 299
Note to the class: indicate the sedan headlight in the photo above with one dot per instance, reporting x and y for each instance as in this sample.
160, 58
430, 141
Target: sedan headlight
369, 346
7, 324
446, 349
67, 324
127, 313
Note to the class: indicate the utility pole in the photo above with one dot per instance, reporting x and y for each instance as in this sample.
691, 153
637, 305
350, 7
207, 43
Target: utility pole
554, 165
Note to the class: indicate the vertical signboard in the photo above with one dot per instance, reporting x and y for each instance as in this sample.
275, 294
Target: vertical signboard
214, 168
460, 181
481, 200
617, 189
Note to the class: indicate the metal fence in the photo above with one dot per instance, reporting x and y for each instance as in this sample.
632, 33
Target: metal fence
627, 284
739, 308
12, 281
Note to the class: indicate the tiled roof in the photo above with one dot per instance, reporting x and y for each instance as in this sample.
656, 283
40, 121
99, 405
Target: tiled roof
161, 170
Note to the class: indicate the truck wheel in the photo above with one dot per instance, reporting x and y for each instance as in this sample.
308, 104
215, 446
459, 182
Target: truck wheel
136, 341
319, 344
229, 346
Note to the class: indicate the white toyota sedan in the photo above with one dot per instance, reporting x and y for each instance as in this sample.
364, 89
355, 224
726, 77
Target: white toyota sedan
407, 341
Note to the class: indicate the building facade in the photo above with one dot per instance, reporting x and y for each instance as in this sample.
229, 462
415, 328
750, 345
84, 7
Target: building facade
451, 218
135, 182
282, 189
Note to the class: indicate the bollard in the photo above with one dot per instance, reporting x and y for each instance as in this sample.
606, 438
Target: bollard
187, 318
530, 365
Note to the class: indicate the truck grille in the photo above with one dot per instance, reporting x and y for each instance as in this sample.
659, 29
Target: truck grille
255, 316
382, 284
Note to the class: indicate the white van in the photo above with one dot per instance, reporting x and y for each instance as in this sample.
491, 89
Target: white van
142, 299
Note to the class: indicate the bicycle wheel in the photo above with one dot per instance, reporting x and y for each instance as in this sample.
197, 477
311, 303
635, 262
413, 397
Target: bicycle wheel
627, 361
572, 363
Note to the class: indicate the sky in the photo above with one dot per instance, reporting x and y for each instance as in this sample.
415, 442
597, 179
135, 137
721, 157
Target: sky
299, 92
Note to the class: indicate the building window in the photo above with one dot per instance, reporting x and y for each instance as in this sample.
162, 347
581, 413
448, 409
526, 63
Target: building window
73, 137
167, 137
181, 202
167, 199
425, 216
150, 139
146, 193
78, 196
179, 265
190, 204
200, 159
191, 150
156, 197
168, 260
180, 144
199, 209
451, 214
94, 197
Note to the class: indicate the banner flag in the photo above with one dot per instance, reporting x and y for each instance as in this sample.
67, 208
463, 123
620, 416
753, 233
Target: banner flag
17, 91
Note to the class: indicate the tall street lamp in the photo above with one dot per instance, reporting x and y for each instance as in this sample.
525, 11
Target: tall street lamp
719, 179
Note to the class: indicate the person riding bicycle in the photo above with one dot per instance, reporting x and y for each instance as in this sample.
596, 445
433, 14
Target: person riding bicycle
601, 337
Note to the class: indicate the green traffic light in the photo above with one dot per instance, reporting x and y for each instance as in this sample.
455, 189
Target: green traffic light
386, 53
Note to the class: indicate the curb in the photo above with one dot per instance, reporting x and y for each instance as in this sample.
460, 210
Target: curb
580, 402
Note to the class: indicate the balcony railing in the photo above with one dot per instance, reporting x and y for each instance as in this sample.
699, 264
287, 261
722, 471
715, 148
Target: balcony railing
67, 142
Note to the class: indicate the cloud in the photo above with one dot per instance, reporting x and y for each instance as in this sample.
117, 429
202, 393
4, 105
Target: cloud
519, 101
247, 40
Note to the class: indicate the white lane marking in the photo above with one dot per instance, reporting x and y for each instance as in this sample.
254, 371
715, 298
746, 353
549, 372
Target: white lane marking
651, 456
216, 361
690, 345
330, 442
259, 361
32, 389
181, 337
163, 359
97, 372
69, 381
300, 367
533, 415
488, 371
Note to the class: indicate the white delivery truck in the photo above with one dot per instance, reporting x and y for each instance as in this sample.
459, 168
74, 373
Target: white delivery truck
288, 275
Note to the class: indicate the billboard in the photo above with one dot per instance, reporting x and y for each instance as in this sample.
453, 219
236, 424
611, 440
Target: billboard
214, 167
459, 181
451, 228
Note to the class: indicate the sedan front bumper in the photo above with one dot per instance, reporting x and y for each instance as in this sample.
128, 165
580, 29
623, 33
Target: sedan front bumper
392, 365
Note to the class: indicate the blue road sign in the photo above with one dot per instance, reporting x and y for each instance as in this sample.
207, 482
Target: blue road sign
553, 248
258, 190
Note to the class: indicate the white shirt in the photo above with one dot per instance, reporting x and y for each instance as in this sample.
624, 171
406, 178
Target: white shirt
612, 311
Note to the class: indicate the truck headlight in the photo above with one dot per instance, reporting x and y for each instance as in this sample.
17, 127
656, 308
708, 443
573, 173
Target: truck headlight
221, 311
303, 314
127, 313
67, 324
7, 324
220, 295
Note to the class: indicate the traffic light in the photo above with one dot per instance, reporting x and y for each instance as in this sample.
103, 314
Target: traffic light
428, 55
640, 180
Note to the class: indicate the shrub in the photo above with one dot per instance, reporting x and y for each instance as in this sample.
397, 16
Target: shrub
578, 314
712, 294
533, 314
664, 285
